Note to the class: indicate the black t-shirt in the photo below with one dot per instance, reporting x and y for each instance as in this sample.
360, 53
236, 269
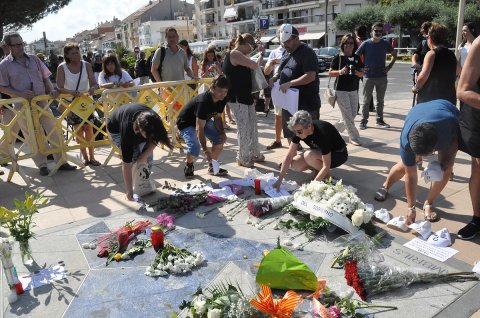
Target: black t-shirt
121, 122
347, 82
421, 50
303, 60
201, 106
325, 138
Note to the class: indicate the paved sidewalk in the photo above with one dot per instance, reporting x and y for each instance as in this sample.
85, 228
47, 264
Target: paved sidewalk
88, 202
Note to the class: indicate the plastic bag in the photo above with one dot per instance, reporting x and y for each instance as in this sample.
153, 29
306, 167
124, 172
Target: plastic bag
281, 269
142, 183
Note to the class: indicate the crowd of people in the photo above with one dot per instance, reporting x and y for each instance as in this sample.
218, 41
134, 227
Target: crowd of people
435, 124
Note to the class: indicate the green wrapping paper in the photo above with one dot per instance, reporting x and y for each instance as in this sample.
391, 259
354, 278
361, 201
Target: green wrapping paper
281, 270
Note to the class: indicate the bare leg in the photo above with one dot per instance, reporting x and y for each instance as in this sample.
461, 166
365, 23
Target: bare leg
216, 150
299, 163
278, 128
396, 173
88, 129
474, 186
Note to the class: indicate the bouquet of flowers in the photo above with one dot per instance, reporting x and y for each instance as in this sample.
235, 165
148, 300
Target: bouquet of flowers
175, 260
19, 221
181, 201
166, 221
220, 301
359, 247
259, 207
114, 243
335, 202
369, 280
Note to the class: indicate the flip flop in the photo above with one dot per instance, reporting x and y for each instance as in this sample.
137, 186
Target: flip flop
381, 194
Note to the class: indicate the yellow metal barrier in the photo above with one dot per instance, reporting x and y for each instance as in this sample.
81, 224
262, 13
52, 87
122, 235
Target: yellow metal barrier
54, 141
16, 116
165, 98
45, 134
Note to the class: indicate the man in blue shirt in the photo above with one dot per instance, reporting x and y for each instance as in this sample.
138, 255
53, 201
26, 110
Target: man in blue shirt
431, 126
374, 51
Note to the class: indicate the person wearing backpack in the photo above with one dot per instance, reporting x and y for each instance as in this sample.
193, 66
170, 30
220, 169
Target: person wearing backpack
170, 63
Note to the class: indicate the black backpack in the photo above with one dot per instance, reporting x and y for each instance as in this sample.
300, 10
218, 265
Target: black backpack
149, 63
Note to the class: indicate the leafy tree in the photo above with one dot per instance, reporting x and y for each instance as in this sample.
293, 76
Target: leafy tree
410, 14
366, 15
17, 14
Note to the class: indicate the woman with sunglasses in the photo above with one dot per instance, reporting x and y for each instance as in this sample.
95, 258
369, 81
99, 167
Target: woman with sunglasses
327, 148
348, 69
237, 68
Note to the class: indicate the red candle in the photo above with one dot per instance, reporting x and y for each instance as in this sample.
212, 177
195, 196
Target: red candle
157, 237
258, 189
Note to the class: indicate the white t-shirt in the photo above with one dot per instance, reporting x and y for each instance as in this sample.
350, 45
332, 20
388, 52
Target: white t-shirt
71, 79
274, 55
463, 54
125, 78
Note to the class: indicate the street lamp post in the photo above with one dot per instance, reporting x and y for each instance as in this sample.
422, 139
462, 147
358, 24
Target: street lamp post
326, 23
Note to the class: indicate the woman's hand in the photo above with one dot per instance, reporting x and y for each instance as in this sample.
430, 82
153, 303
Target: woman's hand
91, 90
277, 184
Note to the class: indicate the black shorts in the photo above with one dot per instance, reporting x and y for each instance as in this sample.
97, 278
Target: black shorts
339, 158
469, 141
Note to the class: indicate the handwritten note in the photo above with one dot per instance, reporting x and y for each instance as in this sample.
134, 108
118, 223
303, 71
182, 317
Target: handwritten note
439, 253
43, 277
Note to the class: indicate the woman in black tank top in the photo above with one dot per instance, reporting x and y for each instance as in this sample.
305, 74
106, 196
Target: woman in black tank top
237, 67
439, 71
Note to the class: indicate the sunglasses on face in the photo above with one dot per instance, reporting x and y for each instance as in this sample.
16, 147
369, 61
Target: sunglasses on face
299, 132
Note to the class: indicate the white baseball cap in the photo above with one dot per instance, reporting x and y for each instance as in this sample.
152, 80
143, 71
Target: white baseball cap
440, 238
286, 32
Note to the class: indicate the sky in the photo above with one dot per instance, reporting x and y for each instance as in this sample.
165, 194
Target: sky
80, 15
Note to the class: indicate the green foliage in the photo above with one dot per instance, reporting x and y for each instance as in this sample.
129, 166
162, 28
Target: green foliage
19, 221
17, 14
366, 16
410, 14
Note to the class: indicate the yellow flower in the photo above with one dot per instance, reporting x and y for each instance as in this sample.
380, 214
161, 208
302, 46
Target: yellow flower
118, 257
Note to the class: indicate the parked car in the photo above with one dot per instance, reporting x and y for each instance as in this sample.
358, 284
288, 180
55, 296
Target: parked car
322, 65
328, 53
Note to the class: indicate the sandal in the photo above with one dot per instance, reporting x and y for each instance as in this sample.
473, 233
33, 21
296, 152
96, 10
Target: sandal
430, 216
381, 194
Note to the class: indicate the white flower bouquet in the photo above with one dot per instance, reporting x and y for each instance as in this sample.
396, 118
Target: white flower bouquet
335, 202
171, 259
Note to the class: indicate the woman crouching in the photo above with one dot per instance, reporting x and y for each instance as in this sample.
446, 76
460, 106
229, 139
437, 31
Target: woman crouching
327, 148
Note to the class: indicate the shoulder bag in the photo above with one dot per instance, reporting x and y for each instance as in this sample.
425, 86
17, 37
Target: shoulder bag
331, 94
72, 118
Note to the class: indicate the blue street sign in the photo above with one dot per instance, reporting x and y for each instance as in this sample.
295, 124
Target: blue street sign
387, 27
264, 20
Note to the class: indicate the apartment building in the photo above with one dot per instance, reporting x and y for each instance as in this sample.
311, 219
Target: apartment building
228, 18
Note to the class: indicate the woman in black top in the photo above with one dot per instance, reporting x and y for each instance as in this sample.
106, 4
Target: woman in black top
237, 67
136, 130
327, 148
439, 71
349, 69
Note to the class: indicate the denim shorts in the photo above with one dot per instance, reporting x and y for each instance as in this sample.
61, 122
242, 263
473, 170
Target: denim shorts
189, 134
137, 149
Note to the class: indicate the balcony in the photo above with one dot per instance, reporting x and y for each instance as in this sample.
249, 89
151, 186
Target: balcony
301, 20
228, 2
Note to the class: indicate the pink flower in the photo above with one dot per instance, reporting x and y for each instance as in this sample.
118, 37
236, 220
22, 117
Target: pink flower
335, 311
165, 220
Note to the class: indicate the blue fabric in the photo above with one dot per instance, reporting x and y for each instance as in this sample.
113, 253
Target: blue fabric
442, 114
189, 134
374, 54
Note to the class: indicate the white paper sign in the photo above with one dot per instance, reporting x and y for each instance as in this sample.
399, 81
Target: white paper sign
273, 193
316, 209
439, 253
288, 100
245, 182
43, 277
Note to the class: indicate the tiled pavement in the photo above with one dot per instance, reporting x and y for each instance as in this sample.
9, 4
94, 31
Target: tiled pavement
88, 200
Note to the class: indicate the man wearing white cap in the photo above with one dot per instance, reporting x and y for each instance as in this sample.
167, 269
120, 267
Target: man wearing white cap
298, 70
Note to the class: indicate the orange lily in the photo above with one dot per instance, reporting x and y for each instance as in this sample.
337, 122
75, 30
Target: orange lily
276, 308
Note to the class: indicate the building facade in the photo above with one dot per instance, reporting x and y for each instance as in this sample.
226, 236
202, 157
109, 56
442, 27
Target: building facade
227, 18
